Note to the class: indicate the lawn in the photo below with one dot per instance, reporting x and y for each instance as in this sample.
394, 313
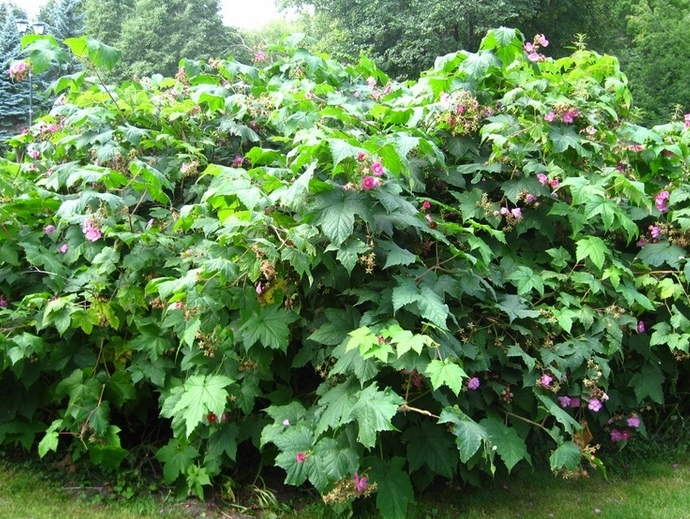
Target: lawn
640, 488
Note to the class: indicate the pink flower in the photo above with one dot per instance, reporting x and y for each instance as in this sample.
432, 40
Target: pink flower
426, 205
238, 161
634, 422
371, 81
300, 457
545, 380
541, 40
91, 231
377, 169
260, 56
550, 117
686, 118
529, 47
543, 179
473, 383
309, 96
286, 422
34, 153
49, 229
616, 436
259, 288
564, 401
3, 302
361, 156
504, 211
641, 327
517, 213
534, 56
360, 483
654, 231
62, 249
554, 183
19, 70
594, 405
568, 118
661, 201
370, 182
530, 198
575, 402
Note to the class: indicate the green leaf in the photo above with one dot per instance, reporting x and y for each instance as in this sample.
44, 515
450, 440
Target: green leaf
176, 459
373, 412
648, 383
99, 54
592, 248
270, 327
405, 340
395, 491
567, 455
526, 280
201, 395
510, 447
446, 373
515, 307
49, 442
469, 435
341, 150
433, 307
564, 137
405, 293
569, 423
397, 255
335, 406
656, 254
428, 444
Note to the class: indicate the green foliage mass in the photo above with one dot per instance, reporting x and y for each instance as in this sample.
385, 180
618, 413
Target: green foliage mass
373, 283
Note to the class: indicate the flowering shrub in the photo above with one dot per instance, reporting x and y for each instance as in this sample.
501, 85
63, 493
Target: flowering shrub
375, 287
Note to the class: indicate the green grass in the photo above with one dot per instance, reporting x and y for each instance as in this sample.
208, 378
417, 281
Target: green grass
641, 488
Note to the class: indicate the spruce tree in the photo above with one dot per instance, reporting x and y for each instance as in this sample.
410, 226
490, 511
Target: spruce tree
14, 95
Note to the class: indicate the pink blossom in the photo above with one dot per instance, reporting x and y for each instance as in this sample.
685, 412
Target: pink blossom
300, 457
575, 402
594, 405
641, 327
49, 229
564, 401
543, 179
377, 169
360, 482
686, 118
554, 183
361, 156
62, 249
371, 81
634, 421
91, 231
530, 198
370, 182
19, 70
517, 213
238, 161
545, 380
3, 302
661, 201
616, 436
541, 40
654, 231
550, 117
428, 218
260, 56
569, 116
34, 153
426, 205
504, 211
529, 47
309, 96
473, 383
534, 56
286, 422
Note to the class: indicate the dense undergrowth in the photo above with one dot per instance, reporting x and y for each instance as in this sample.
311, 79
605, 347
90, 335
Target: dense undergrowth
369, 284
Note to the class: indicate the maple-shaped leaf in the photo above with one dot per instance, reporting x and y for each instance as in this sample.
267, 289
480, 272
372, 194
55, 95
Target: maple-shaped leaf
592, 248
176, 458
515, 307
395, 490
648, 383
469, 435
429, 444
335, 405
509, 445
446, 373
270, 327
567, 455
373, 412
201, 395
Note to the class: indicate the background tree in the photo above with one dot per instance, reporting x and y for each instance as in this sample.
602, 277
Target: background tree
105, 18
65, 18
14, 96
161, 32
657, 31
